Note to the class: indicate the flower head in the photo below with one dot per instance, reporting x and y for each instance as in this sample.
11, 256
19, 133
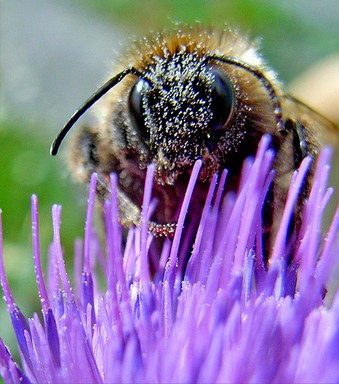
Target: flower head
224, 316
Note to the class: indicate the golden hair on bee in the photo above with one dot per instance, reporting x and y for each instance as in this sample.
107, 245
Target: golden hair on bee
187, 94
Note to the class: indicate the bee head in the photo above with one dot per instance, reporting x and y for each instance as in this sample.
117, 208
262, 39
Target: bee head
181, 103
179, 109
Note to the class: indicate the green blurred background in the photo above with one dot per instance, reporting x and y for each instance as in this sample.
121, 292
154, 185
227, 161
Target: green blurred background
54, 54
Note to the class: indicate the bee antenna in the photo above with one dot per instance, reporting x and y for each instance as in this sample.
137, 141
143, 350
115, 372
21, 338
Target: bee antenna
262, 78
88, 103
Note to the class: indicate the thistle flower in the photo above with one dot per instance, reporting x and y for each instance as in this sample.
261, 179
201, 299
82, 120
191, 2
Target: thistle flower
224, 317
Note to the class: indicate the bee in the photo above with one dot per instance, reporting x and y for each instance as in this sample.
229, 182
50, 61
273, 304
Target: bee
187, 94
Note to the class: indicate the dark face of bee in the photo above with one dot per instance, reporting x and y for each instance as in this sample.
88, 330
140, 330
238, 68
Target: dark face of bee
180, 111
192, 94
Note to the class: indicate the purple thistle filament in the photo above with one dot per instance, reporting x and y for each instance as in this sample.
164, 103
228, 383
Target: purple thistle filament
223, 318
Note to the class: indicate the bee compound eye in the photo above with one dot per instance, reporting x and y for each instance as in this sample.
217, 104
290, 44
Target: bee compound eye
136, 106
222, 99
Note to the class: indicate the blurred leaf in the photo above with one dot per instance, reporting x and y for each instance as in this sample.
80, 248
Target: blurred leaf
293, 34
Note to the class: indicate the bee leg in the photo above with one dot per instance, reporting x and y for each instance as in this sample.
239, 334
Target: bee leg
83, 155
300, 145
162, 230
294, 148
130, 214
301, 150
